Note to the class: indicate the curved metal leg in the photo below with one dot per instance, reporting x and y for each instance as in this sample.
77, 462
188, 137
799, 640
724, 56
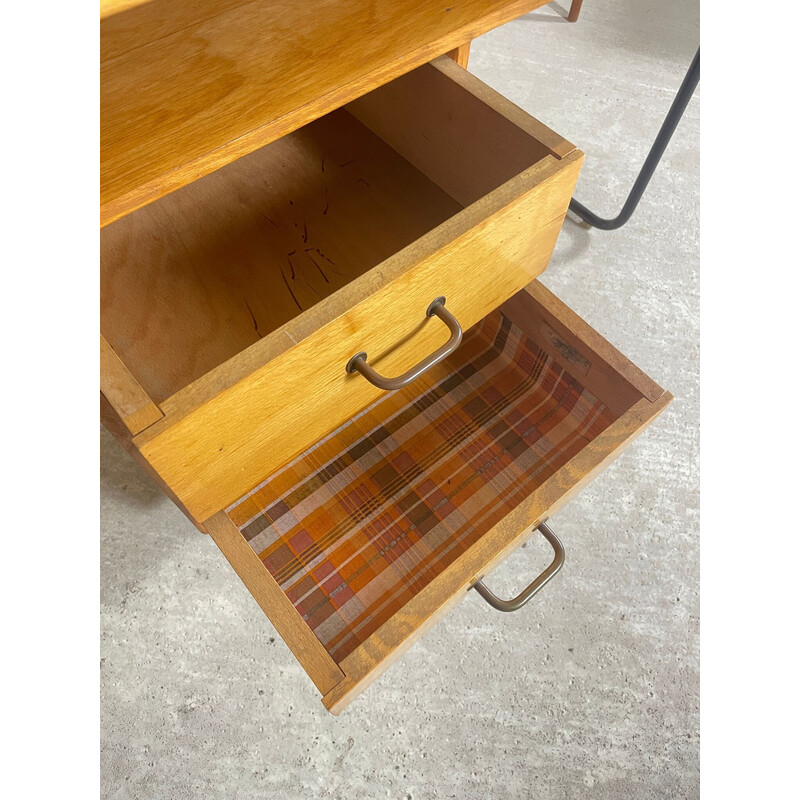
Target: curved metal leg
534, 588
654, 156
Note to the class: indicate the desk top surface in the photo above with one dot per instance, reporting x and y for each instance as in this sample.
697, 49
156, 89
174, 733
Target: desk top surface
188, 86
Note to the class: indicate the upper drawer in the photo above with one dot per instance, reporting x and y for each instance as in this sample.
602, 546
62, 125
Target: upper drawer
236, 302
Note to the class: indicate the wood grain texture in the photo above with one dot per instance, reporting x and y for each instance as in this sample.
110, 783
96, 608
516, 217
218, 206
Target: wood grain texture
213, 454
313, 657
189, 87
393, 639
135, 408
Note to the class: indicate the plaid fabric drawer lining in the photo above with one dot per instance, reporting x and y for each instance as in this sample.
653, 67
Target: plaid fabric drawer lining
354, 527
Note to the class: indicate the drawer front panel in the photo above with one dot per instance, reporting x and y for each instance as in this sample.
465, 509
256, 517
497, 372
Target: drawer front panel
477, 260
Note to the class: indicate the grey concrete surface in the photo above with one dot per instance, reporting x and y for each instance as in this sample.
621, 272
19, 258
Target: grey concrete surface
590, 692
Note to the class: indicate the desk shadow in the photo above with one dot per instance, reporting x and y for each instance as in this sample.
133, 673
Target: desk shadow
542, 18
122, 479
552, 12
143, 536
573, 241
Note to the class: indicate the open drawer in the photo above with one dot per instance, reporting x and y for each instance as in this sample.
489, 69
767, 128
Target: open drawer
231, 307
355, 547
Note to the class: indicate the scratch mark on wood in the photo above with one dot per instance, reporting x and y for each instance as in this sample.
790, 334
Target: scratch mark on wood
286, 283
364, 181
253, 317
347, 162
319, 268
330, 261
327, 204
305, 234
321, 254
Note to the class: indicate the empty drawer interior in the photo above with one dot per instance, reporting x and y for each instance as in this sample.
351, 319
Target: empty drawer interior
198, 276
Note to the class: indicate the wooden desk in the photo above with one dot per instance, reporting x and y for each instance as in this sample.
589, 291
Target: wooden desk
287, 188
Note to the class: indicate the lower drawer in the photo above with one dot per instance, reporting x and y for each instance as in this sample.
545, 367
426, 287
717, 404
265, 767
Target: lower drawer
359, 544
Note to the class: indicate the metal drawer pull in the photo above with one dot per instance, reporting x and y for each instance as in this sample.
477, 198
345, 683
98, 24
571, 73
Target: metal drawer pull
358, 363
517, 602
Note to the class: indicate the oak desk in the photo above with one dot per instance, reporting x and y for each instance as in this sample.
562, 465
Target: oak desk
321, 331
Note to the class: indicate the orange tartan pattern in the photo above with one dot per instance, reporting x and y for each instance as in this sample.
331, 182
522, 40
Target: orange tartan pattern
357, 525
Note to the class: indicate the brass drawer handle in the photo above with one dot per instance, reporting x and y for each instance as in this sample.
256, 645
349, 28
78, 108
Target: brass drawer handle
526, 594
358, 363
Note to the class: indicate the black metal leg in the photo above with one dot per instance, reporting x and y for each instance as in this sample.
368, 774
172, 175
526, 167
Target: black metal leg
654, 156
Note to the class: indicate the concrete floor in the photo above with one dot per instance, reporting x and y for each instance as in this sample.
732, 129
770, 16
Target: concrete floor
590, 692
